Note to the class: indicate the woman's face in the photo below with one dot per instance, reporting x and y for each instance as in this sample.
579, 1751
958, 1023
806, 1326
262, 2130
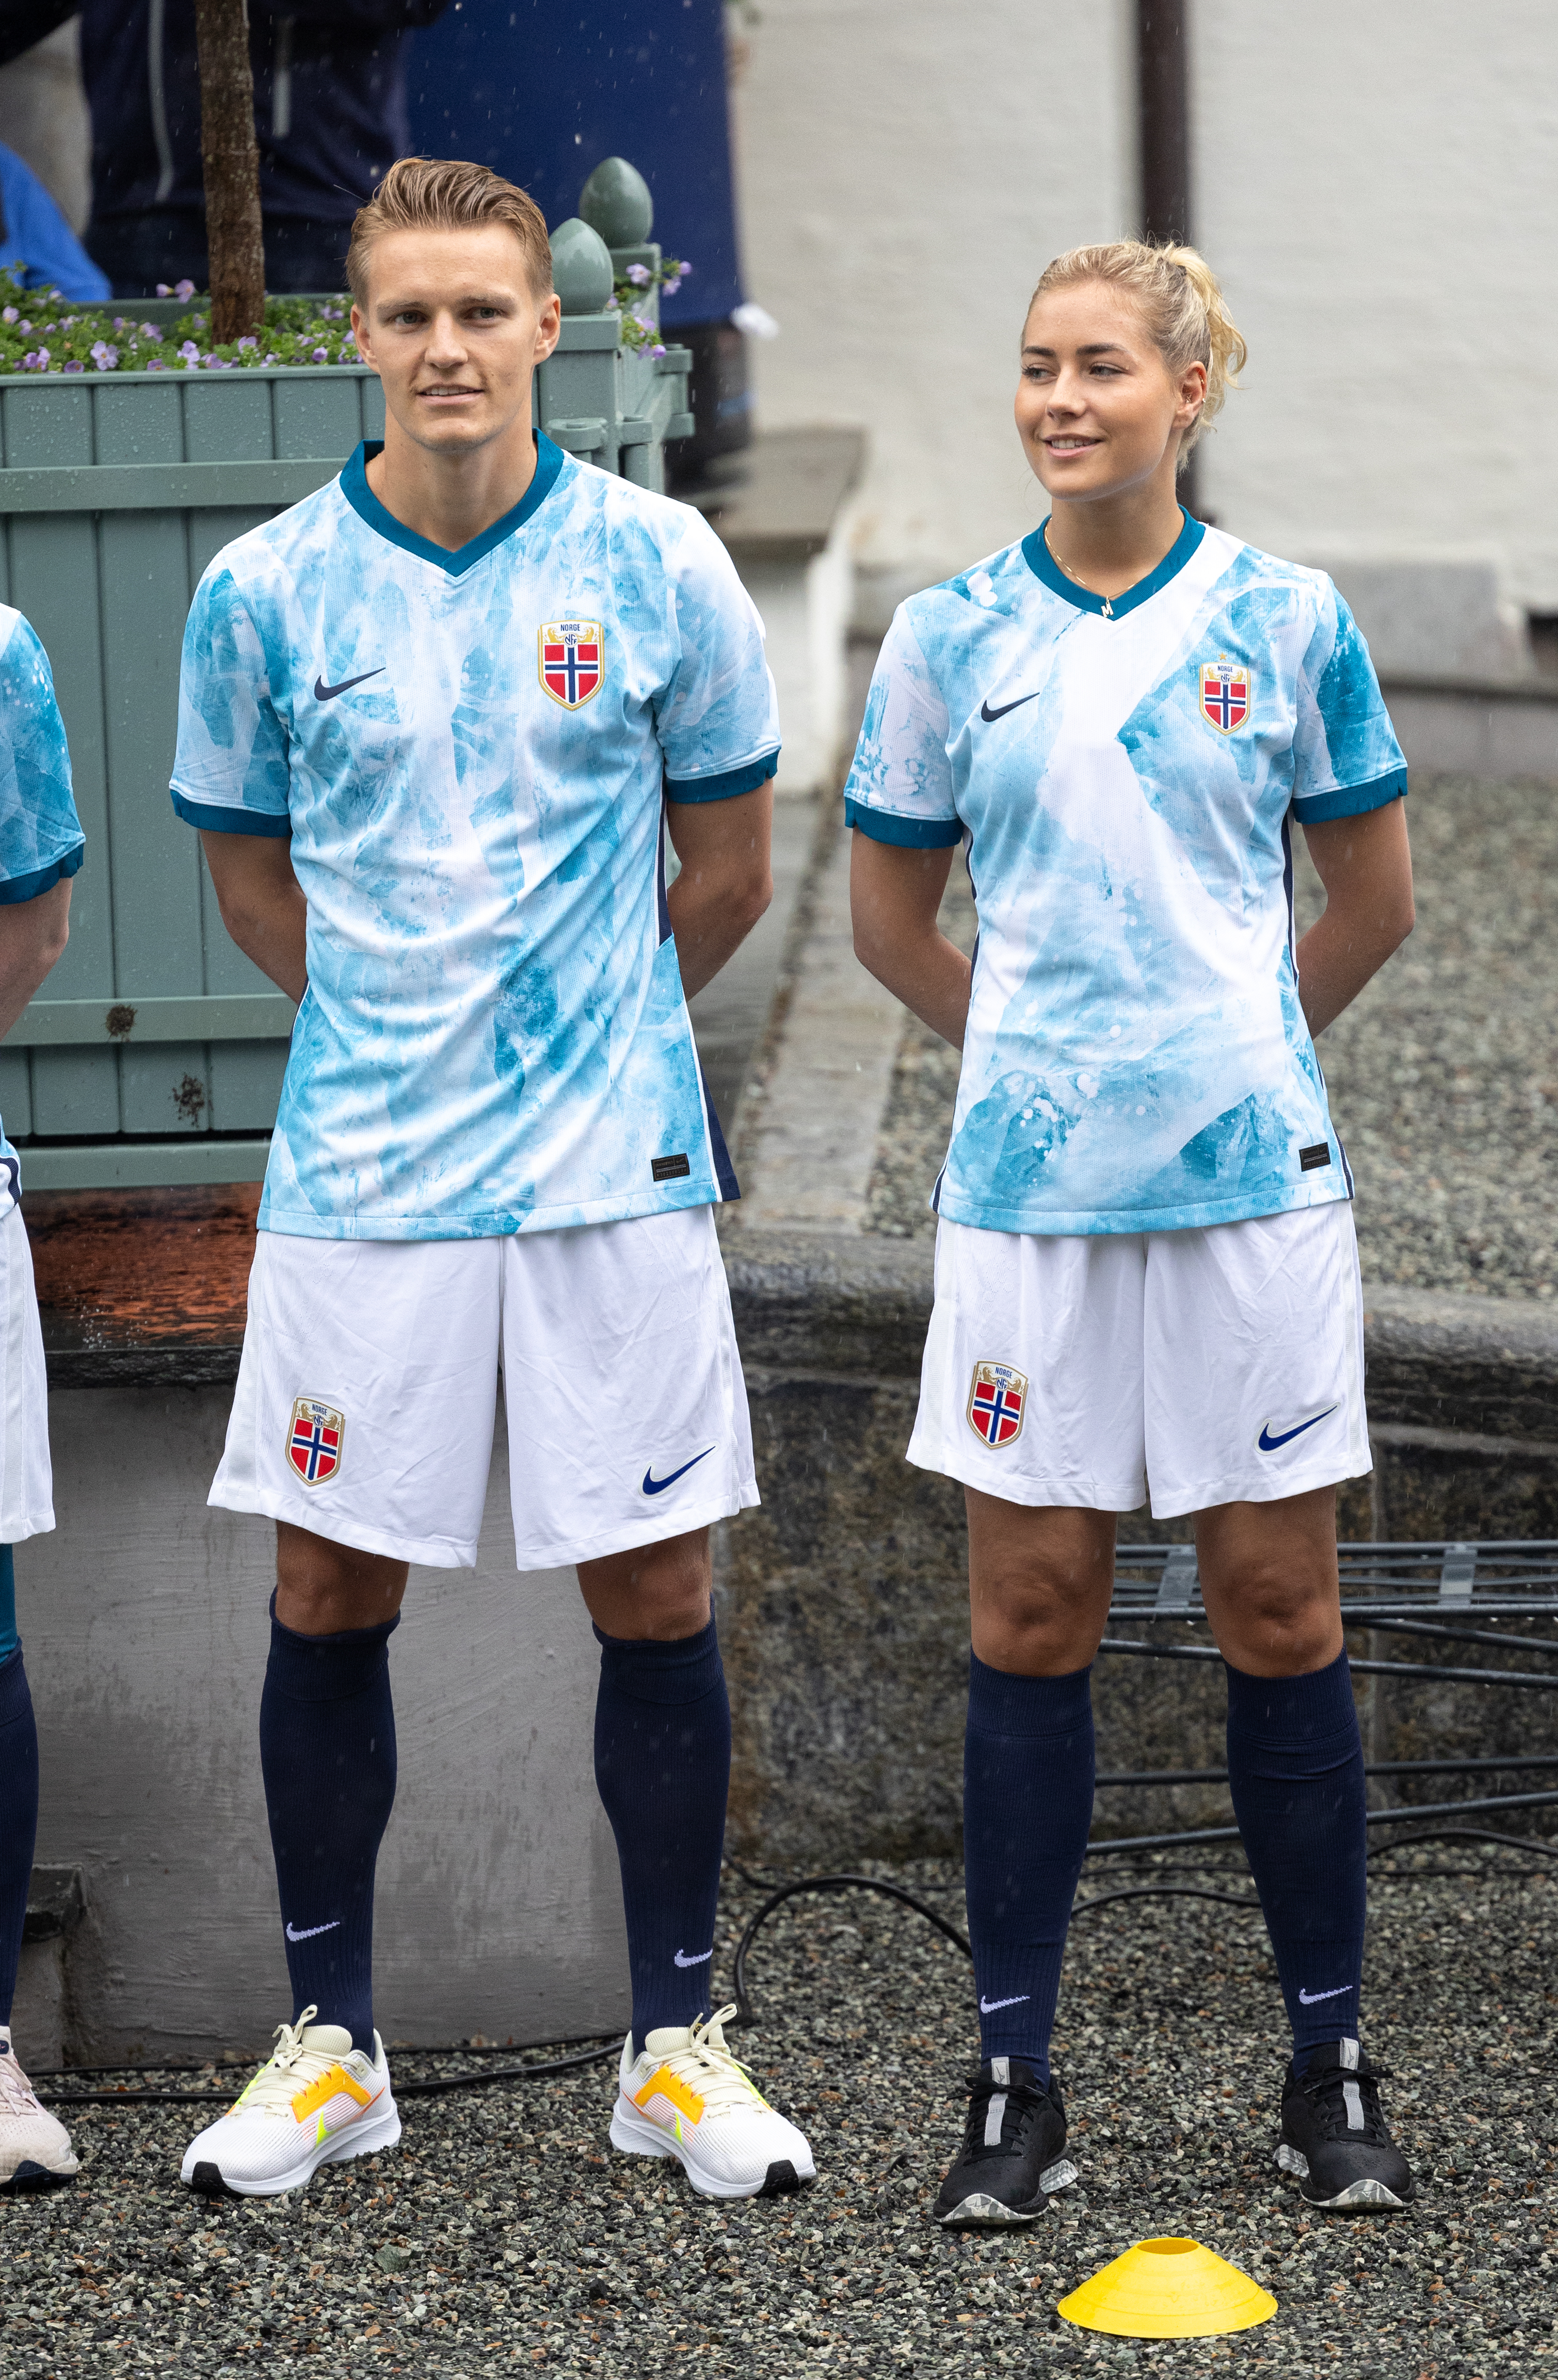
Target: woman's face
1097, 410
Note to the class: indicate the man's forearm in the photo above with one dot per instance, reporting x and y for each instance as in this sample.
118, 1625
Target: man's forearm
711, 921
33, 936
263, 905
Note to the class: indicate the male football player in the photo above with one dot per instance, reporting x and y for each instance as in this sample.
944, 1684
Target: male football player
40, 850
431, 720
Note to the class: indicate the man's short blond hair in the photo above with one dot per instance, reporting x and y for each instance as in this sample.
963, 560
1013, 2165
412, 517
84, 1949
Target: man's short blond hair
448, 194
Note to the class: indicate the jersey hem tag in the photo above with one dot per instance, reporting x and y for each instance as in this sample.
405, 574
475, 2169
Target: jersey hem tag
677, 1168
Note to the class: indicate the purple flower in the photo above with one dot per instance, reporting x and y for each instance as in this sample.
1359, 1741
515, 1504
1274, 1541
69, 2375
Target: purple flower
250, 342
35, 360
672, 286
656, 349
639, 276
163, 289
158, 363
103, 356
73, 366
150, 331
180, 289
119, 324
24, 326
322, 355
191, 353
272, 360
8, 315
682, 267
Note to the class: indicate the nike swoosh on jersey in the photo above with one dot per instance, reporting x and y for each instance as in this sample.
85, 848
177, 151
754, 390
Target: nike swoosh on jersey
653, 1486
990, 716
1268, 1444
701, 1961
1309, 1998
293, 1935
323, 693
989, 2007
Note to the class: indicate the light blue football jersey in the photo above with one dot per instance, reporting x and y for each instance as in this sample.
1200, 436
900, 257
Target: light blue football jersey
41, 838
1137, 1059
469, 752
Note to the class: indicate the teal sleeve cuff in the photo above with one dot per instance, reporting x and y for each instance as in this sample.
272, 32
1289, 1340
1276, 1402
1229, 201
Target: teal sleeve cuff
213, 818
1349, 801
726, 785
43, 879
907, 834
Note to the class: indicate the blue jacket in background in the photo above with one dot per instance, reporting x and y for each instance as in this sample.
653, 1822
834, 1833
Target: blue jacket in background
36, 241
328, 97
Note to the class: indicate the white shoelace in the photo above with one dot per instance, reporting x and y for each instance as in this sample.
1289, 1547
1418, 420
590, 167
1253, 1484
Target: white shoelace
288, 2067
16, 2094
720, 2081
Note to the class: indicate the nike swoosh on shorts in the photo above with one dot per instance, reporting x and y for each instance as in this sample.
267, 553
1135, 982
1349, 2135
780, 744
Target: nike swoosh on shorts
1268, 1444
990, 716
323, 693
653, 1486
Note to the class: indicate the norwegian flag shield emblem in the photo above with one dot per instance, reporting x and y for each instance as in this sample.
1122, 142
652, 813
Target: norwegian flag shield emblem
313, 1440
572, 660
996, 1400
1225, 695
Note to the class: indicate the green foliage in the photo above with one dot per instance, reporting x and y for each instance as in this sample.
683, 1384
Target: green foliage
633, 289
42, 332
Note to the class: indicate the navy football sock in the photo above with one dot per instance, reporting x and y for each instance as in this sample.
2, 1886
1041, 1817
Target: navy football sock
1296, 1773
662, 1764
327, 1751
1027, 1808
19, 1793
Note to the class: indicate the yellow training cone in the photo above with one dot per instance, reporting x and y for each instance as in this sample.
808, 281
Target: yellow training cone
1168, 2289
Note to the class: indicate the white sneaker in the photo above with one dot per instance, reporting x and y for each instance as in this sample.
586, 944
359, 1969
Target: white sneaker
34, 2146
316, 2101
685, 2097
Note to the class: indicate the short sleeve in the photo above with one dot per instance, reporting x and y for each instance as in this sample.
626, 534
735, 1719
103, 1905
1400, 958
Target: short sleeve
1346, 759
899, 787
41, 838
718, 721
230, 771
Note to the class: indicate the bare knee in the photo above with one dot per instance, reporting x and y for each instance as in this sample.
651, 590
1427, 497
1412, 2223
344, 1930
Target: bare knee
323, 1587
1039, 1586
659, 1591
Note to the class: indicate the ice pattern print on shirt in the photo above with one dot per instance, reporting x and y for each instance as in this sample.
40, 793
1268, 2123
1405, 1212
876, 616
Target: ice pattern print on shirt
469, 754
1124, 786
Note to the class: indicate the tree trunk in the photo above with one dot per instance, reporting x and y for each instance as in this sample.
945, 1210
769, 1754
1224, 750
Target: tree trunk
230, 156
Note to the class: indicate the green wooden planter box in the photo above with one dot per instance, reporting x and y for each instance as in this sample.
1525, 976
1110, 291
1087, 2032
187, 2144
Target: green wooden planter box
156, 1051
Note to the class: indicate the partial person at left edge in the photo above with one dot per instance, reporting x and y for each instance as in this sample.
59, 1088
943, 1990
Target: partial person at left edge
41, 849
330, 116
36, 243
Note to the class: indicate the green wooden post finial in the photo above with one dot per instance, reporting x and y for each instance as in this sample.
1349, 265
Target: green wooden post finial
581, 268
615, 201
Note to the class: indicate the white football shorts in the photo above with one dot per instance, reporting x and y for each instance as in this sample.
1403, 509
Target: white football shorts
1214, 1367
26, 1496
369, 1386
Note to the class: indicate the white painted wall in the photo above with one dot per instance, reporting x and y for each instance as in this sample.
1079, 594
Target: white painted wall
907, 168
1374, 184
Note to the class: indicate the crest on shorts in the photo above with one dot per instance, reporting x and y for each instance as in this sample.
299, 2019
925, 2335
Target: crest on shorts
573, 661
313, 1440
1225, 695
996, 1400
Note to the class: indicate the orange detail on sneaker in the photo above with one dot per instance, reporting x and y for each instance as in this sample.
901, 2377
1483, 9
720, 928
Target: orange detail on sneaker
324, 2088
666, 2085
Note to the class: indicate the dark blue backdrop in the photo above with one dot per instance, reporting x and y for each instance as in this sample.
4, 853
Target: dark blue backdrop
542, 95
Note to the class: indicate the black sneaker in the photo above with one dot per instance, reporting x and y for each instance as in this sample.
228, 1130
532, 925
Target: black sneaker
1012, 2162
1334, 2138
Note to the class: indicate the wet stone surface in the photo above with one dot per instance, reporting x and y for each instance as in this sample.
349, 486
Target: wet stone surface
505, 2234
1443, 1077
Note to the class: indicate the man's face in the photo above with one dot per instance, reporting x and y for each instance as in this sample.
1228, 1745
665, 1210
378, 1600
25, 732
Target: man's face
454, 331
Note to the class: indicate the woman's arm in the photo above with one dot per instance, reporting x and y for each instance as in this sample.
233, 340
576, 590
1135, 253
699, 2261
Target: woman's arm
1366, 866
894, 897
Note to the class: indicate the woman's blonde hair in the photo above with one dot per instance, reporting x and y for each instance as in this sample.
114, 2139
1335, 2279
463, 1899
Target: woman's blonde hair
1181, 303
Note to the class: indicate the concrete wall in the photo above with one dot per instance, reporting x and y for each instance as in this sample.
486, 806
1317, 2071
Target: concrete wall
1373, 186
43, 117
144, 1621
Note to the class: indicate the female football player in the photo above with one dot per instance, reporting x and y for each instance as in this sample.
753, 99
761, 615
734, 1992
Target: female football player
1146, 1275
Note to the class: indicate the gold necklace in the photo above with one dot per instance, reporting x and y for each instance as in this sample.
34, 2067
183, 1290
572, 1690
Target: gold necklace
1075, 576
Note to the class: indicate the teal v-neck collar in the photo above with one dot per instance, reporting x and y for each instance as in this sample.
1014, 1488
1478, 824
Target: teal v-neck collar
1044, 566
366, 504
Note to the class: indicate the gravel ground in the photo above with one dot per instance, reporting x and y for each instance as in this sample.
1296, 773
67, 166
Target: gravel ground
505, 2232
1443, 1078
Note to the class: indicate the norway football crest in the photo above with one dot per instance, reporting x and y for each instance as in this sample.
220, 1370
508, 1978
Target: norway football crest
572, 660
1225, 695
996, 1402
313, 1441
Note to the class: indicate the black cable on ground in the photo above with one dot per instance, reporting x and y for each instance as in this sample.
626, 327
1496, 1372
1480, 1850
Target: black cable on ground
428, 2089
